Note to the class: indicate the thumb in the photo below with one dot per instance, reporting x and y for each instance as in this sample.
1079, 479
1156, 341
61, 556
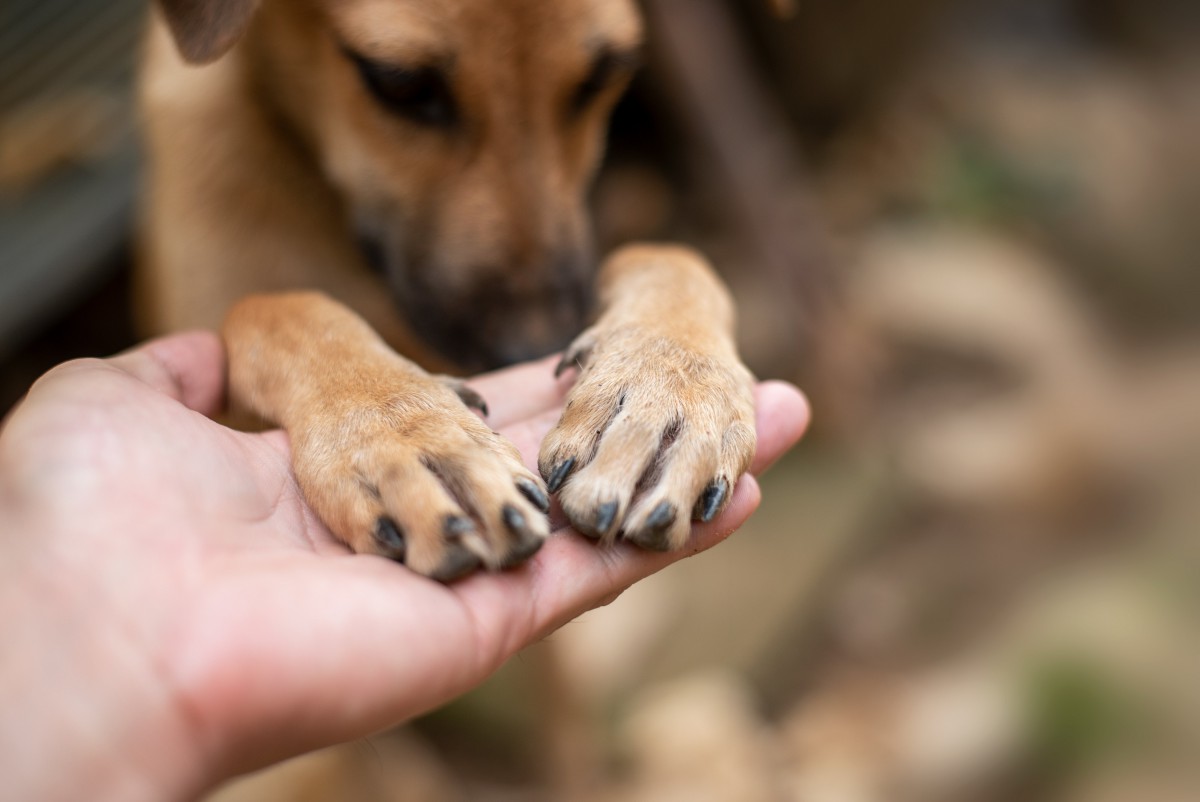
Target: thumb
189, 367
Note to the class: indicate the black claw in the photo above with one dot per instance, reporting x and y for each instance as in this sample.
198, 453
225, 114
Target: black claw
522, 551
456, 526
559, 475
457, 563
390, 538
654, 533
573, 358
472, 399
712, 499
605, 515
513, 518
564, 363
661, 517
536, 496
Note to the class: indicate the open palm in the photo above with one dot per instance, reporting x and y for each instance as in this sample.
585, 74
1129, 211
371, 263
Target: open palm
182, 552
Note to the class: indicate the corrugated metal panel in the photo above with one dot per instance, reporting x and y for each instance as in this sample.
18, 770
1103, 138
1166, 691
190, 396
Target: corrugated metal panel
68, 154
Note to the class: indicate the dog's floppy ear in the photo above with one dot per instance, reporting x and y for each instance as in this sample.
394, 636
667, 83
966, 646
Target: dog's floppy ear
205, 29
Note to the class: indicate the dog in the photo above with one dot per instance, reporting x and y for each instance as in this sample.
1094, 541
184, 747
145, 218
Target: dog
352, 180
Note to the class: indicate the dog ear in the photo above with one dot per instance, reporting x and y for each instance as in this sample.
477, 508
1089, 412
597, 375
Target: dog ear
205, 29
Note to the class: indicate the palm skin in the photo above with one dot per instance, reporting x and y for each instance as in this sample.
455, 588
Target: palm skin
183, 616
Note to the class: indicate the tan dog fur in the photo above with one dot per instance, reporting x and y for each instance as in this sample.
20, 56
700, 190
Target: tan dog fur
662, 405
266, 165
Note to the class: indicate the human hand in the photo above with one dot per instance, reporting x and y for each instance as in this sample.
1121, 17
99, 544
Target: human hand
175, 613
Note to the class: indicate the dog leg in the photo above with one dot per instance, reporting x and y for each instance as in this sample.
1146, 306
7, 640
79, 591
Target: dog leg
660, 423
391, 459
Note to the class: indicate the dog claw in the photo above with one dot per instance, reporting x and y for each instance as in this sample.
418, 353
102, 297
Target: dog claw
535, 494
605, 515
522, 551
711, 500
471, 398
653, 534
527, 543
599, 524
562, 365
514, 519
390, 539
559, 475
573, 357
457, 563
661, 516
456, 526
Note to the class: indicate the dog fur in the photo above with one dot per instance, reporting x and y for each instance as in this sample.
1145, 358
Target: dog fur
425, 165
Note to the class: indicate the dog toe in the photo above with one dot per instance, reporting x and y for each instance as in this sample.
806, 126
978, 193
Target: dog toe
389, 539
654, 533
457, 563
653, 436
528, 543
445, 498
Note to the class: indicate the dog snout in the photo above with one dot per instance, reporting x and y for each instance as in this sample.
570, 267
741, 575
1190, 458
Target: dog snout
526, 323
506, 318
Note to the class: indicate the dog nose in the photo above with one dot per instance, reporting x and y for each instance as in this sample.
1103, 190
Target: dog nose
512, 329
504, 353
499, 331
508, 317
523, 317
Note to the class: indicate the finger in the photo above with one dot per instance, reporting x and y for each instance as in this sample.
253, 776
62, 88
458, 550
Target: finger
521, 392
189, 367
415, 643
782, 415
572, 575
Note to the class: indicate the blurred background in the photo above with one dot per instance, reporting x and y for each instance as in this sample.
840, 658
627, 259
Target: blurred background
971, 231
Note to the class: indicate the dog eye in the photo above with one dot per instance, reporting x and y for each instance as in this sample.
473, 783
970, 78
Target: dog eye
420, 94
609, 68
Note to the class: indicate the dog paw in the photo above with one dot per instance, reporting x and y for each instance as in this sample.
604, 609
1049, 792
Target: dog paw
469, 396
410, 473
655, 434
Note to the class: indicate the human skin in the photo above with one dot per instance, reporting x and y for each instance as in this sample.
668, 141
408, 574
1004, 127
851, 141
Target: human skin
174, 614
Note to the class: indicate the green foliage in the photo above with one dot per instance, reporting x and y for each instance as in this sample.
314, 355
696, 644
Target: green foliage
977, 181
1078, 716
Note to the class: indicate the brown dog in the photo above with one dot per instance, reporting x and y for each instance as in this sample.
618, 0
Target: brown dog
425, 163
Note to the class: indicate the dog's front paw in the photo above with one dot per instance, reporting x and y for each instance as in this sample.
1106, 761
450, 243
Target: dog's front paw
409, 473
656, 432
